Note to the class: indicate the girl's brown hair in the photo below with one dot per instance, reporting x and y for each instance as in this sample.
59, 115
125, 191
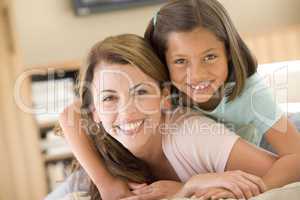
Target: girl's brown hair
122, 49
186, 15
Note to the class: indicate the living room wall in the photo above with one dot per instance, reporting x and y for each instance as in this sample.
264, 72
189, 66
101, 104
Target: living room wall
49, 32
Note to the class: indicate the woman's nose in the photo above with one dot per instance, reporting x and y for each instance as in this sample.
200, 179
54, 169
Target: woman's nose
127, 106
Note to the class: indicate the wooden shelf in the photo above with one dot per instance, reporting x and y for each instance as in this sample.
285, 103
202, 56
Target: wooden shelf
48, 72
54, 158
47, 125
68, 66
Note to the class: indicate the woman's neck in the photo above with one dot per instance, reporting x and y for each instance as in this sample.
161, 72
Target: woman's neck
152, 153
155, 157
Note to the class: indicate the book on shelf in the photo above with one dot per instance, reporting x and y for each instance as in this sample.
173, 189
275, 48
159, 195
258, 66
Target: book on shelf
54, 145
50, 97
56, 174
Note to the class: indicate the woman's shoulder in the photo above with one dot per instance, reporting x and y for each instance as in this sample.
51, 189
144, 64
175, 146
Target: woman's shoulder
181, 115
185, 121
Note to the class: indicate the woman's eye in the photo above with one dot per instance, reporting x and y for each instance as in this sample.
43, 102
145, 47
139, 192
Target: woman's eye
142, 92
180, 61
109, 98
210, 58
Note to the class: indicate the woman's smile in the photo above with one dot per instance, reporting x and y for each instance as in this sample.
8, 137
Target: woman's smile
131, 128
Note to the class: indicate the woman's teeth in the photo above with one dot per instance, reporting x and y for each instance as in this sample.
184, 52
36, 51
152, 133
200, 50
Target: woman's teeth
131, 126
202, 85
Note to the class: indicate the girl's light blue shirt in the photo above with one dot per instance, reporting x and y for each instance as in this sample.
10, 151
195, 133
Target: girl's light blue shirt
252, 113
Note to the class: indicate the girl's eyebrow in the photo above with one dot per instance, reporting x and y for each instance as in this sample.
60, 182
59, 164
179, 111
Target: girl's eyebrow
208, 50
204, 52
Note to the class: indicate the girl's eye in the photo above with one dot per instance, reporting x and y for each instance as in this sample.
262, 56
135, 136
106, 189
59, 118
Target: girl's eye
141, 92
210, 58
180, 61
109, 98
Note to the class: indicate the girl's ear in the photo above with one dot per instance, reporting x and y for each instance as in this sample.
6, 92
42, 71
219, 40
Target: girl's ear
95, 115
166, 99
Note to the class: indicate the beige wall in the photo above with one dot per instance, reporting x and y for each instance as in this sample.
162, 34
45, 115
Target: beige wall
49, 32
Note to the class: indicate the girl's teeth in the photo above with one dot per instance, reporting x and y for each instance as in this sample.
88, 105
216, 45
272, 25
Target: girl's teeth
131, 126
202, 85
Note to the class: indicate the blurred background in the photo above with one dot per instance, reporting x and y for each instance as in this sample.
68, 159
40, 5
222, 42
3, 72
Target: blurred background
42, 46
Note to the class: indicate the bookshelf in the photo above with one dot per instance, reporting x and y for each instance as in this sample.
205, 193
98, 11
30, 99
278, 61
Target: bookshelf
52, 88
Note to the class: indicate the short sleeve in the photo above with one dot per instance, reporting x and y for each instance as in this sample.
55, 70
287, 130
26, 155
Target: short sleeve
206, 143
263, 107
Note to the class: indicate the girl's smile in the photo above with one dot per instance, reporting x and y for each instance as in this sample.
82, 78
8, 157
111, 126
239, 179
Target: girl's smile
202, 87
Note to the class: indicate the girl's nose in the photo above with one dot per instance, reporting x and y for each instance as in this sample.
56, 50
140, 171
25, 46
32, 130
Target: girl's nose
196, 72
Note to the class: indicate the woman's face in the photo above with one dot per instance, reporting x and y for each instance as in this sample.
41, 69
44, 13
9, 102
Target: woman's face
197, 62
127, 102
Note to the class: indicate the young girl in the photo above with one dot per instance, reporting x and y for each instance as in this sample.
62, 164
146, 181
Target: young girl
215, 73
122, 97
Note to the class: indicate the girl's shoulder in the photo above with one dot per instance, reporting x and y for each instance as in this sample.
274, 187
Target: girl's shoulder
256, 83
256, 87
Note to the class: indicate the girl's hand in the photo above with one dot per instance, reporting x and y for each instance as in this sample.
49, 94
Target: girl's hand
241, 184
214, 194
117, 189
157, 190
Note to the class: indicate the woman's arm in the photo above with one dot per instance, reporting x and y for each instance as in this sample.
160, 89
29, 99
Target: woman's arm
81, 147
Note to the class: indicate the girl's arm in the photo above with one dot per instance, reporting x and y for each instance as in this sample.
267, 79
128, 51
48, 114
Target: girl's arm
285, 139
79, 142
248, 158
269, 120
234, 163
245, 165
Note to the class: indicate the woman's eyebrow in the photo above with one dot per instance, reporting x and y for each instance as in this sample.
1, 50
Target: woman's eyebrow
111, 91
138, 85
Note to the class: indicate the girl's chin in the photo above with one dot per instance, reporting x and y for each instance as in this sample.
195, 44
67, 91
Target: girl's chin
200, 98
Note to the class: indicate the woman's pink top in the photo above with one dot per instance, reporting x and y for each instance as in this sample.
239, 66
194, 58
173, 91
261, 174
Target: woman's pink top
196, 144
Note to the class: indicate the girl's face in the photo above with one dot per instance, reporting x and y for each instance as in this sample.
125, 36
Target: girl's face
197, 62
127, 102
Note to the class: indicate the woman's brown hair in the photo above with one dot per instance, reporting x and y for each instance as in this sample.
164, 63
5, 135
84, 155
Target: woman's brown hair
185, 16
123, 49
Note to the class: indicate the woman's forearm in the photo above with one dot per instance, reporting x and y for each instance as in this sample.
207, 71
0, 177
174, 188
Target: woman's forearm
284, 171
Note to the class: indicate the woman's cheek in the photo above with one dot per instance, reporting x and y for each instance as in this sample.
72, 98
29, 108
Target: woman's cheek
107, 122
149, 104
